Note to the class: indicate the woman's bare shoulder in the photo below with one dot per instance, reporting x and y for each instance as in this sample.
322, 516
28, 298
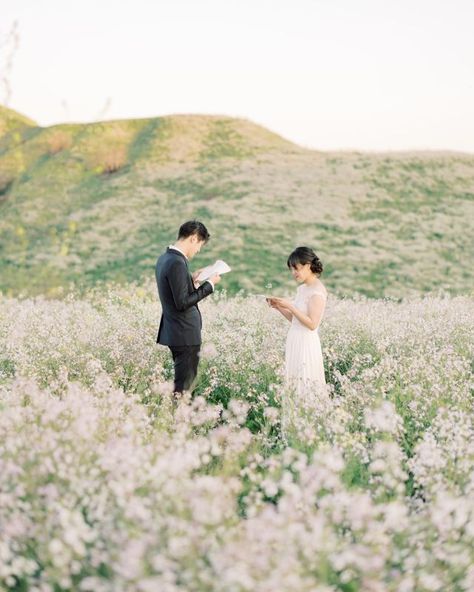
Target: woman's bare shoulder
320, 288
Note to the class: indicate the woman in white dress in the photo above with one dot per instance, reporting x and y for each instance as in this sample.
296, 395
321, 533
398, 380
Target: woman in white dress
304, 366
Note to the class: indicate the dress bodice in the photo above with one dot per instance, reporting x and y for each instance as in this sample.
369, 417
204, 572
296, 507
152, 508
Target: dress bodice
302, 298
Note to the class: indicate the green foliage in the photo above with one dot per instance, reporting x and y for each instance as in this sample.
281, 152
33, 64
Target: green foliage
383, 225
223, 141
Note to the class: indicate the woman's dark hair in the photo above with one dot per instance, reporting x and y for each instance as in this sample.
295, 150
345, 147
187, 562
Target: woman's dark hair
305, 255
194, 227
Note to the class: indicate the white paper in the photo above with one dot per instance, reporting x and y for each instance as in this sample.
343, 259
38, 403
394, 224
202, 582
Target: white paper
217, 268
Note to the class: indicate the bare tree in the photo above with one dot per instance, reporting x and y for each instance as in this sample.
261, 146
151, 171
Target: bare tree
8, 47
65, 106
103, 112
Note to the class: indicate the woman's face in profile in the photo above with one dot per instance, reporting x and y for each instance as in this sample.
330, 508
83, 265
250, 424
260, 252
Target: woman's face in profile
301, 272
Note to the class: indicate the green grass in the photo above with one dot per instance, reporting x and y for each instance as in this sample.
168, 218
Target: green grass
382, 224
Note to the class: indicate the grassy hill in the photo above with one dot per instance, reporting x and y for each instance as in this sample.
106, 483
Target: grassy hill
81, 203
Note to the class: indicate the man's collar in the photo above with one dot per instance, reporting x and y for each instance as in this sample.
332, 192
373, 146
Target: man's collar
177, 249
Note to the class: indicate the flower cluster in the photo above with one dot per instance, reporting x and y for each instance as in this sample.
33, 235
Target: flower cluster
107, 484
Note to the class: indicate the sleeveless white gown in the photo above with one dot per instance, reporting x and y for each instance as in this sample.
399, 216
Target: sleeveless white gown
304, 366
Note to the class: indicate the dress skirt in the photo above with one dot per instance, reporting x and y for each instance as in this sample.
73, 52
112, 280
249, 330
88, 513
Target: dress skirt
303, 357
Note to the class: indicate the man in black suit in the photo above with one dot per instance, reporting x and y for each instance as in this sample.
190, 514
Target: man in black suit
181, 322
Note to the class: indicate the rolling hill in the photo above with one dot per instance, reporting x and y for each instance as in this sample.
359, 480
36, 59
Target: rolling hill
86, 203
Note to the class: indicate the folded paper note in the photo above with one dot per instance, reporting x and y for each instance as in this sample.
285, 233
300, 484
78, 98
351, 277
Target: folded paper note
217, 268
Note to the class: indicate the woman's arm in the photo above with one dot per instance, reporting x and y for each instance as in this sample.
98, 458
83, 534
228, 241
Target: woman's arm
315, 310
286, 313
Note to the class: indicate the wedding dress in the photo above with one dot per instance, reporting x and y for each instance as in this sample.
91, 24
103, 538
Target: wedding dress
304, 366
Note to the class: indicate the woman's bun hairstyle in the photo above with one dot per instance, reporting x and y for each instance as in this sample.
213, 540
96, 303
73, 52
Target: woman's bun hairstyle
304, 255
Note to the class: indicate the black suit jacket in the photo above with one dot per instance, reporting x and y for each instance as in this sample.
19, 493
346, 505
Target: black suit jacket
181, 321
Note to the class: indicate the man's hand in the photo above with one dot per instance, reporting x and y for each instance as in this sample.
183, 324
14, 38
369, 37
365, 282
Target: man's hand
195, 276
215, 279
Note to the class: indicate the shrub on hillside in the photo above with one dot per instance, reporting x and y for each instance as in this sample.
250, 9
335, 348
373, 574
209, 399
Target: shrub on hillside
6, 181
58, 141
110, 159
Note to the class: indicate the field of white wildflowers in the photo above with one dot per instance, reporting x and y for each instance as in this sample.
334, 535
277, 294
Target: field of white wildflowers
106, 486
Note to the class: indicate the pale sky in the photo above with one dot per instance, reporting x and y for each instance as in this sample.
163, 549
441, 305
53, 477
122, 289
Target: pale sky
326, 74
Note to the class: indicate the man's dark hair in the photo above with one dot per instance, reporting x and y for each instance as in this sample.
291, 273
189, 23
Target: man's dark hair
194, 227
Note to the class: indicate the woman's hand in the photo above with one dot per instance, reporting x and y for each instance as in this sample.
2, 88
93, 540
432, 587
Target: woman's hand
271, 301
281, 303
285, 307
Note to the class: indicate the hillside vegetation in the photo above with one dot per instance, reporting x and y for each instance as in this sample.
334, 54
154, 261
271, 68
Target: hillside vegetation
83, 203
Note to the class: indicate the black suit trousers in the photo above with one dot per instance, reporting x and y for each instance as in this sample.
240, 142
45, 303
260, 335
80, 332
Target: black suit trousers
186, 360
